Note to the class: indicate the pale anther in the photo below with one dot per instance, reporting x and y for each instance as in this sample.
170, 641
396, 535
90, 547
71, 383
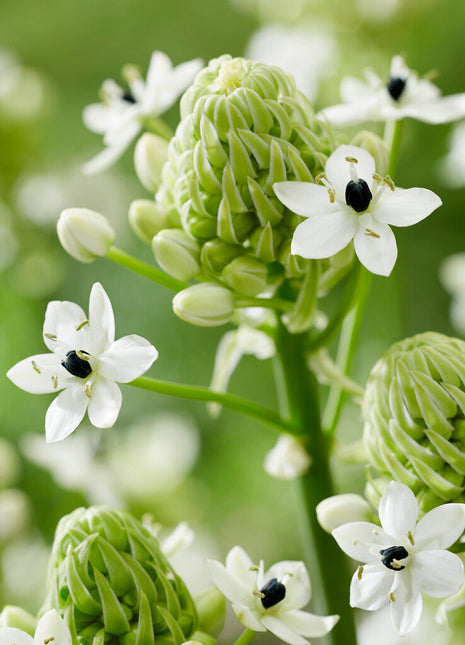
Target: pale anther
375, 532
81, 325
54, 378
82, 355
377, 178
34, 367
88, 391
332, 195
49, 640
254, 568
359, 573
50, 336
372, 233
395, 564
410, 537
351, 159
319, 177
392, 597
390, 183
258, 594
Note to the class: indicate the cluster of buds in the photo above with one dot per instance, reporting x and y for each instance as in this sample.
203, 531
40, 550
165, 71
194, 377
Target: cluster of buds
414, 412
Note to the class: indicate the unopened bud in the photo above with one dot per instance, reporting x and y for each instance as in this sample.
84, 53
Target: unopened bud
206, 305
177, 253
246, 275
211, 610
288, 459
373, 144
337, 510
150, 154
146, 219
12, 616
15, 513
84, 234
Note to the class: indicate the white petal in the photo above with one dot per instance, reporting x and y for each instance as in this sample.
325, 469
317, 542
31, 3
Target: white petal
282, 631
353, 90
362, 541
101, 319
405, 207
65, 413
103, 160
438, 573
13, 636
406, 609
98, 117
249, 618
322, 237
378, 252
239, 565
127, 358
308, 624
228, 356
443, 110
347, 113
228, 585
52, 628
304, 198
179, 79
294, 576
371, 590
398, 510
52, 377
441, 527
105, 404
61, 320
337, 169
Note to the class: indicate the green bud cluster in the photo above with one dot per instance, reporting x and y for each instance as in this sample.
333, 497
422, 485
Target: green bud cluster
414, 412
244, 127
110, 581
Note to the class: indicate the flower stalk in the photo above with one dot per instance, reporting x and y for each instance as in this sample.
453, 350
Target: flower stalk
245, 638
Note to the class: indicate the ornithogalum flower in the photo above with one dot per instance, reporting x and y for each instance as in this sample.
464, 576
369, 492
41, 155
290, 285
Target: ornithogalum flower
288, 459
121, 114
354, 203
403, 95
403, 558
270, 600
50, 629
85, 363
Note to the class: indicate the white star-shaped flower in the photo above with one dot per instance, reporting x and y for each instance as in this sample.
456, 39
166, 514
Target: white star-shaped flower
288, 459
402, 557
355, 203
270, 600
403, 95
50, 629
121, 115
85, 363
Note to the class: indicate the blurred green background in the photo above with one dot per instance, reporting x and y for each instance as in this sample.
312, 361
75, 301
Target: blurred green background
74, 46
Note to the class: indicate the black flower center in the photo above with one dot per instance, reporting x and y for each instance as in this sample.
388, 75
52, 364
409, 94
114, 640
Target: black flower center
76, 365
128, 97
396, 86
358, 195
273, 592
391, 557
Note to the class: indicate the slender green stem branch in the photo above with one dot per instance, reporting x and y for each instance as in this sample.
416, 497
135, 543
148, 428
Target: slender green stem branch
157, 126
392, 138
269, 303
144, 269
199, 393
245, 637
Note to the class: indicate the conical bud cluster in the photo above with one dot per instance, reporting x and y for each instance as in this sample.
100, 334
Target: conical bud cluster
244, 127
414, 411
111, 583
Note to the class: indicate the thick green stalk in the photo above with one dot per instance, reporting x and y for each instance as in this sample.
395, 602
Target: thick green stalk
327, 563
245, 637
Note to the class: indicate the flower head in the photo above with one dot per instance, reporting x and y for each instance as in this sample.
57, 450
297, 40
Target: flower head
270, 600
85, 363
354, 203
121, 114
288, 459
403, 558
50, 629
403, 95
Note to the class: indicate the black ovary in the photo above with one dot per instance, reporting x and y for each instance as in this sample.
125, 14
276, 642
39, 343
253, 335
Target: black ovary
274, 592
358, 195
75, 365
396, 86
391, 554
128, 97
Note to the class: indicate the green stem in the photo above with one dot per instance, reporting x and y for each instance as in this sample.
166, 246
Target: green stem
245, 637
392, 138
328, 566
159, 127
269, 303
199, 393
144, 269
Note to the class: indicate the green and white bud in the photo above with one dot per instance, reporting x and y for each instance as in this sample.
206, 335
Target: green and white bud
84, 234
414, 412
111, 582
150, 154
337, 510
12, 616
177, 253
211, 610
146, 219
246, 275
378, 149
205, 305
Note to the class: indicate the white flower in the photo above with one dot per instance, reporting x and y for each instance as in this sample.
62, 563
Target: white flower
270, 600
452, 166
403, 95
288, 459
50, 629
452, 275
86, 362
357, 204
403, 558
121, 114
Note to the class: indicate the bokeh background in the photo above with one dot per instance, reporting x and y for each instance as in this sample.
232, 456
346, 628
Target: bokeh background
166, 456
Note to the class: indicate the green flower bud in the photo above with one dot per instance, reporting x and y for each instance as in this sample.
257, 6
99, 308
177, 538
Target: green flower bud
414, 411
12, 616
206, 305
211, 610
84, 234
111, 582
378, 149
146, 219
177, 253
246, 275
337, 510
150, 154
